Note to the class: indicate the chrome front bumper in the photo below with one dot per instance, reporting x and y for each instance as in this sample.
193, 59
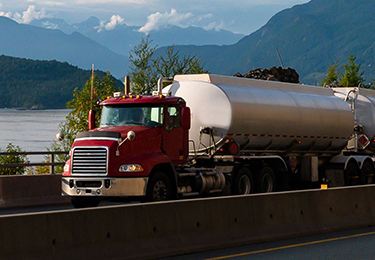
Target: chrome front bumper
107, 187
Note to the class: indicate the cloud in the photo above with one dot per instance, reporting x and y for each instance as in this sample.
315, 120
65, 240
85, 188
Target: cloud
157, 20
50, 25
30, 14
214, 26
27, 16
111, 24
8, 14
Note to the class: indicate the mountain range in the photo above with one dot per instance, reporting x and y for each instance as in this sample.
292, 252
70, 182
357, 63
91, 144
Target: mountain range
122, 38
82, 44
31, 42
309, 37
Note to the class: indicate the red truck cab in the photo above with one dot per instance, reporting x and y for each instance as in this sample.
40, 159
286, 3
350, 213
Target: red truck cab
133, 152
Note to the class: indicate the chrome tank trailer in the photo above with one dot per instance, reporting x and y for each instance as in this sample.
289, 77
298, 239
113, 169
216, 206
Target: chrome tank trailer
263, 116
362, 103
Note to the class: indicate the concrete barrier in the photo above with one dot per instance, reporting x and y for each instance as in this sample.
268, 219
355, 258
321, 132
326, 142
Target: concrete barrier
153, 230
30, 190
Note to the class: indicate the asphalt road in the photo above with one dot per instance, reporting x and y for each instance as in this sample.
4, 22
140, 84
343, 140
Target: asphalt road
349, 244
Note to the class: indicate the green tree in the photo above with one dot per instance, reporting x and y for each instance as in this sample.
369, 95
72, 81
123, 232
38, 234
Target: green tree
141, 74
332, 77
77, 120
171, 64
12, 159
352, 76
145, 69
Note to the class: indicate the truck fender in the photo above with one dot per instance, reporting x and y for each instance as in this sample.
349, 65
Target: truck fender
346, 159
363, 163
170, 171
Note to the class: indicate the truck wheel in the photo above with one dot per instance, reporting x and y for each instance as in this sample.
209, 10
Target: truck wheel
159, 188
266, 180
367, 173
243, 182
85, 202
351, 175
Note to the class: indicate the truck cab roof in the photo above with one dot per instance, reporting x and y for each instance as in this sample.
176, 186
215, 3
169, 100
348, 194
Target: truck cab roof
139, 99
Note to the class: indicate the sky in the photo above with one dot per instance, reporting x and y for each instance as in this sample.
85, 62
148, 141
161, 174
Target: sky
239, 16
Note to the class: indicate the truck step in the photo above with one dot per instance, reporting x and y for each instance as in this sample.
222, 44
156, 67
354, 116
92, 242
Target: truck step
215, 191
186, 174
188, 194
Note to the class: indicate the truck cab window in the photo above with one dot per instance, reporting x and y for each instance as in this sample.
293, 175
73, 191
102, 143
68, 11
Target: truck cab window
174, 118
151, 116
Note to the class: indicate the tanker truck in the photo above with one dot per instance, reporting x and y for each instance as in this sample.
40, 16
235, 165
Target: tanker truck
207, 135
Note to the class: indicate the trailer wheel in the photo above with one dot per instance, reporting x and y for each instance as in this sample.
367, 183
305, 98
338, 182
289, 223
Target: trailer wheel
243, 182
266, 180
159, 188
367, 173
85, 202
351, 175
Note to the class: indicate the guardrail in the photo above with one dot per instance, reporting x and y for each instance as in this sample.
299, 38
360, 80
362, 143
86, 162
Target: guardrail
164, 229
51, 164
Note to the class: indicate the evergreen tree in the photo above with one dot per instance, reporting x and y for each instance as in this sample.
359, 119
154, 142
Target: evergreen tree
332, 76
142, 74
352, 77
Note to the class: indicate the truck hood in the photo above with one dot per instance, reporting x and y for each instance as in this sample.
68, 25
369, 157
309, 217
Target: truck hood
140, 131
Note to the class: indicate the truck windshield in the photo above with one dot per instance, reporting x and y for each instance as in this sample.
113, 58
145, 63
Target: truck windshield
151, 116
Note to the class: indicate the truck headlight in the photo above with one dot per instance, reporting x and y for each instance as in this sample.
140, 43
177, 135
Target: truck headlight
131, 168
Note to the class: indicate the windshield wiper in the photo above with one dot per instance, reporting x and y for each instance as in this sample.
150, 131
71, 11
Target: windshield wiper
133, 123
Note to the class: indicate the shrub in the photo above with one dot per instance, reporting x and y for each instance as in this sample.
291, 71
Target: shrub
12, 159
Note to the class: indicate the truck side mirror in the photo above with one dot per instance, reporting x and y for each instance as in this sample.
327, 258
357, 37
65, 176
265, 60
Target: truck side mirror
91, 119
130, 135
185, 118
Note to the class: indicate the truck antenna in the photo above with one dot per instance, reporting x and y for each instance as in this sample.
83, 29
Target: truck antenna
92, 84
278, 54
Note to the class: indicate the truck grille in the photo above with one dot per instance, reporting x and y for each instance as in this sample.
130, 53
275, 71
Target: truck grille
89, 160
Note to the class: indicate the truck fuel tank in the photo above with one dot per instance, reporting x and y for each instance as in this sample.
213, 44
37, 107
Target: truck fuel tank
263, 115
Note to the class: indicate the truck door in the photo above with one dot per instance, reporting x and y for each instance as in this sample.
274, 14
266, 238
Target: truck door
175, 141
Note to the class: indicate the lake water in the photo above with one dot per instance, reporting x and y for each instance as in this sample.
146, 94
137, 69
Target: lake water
31, 130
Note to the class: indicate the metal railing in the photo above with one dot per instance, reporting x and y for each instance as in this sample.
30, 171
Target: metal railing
51, 163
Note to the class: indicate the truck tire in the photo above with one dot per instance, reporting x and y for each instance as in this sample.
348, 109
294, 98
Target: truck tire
85, 202
351, 175
242, 182
266, 180
159, 188
367, 173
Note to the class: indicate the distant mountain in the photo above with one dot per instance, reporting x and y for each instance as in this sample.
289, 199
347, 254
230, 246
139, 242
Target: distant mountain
123, 38
40, 84
310, 38
27, 41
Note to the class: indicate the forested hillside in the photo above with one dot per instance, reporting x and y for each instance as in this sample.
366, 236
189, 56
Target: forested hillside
39, 84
